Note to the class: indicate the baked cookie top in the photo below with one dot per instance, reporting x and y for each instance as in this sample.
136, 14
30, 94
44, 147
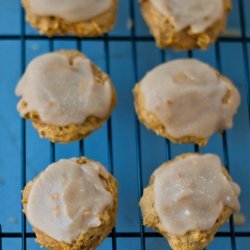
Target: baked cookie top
73, 10
63, 90
196, 14
190, 193
68, 198
189, 98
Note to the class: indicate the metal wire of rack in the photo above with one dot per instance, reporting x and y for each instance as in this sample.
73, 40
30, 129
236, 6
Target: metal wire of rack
133, 39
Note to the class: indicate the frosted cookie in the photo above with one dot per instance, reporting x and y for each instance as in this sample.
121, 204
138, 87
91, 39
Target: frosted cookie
71, 205
65, 96
186, 101
86, 18
188, 199
184, 25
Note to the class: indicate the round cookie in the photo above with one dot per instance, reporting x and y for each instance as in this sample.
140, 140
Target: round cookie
65, 96
71, 205
188, 199
185, 25
186, 101
86, 18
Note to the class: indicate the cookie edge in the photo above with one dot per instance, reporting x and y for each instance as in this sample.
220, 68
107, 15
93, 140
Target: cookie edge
94, 236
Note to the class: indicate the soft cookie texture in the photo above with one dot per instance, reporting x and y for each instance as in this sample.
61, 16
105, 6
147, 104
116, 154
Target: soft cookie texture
183, 200
87, 18
91, 236
186, 101
65, 96
184, 25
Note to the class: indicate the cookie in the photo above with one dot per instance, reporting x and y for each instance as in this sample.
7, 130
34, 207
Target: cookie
71, 205
86, 18
185, 25
65, 96
188, 199
186, 101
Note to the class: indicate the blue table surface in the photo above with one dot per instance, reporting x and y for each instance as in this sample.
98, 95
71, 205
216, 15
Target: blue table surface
153, 147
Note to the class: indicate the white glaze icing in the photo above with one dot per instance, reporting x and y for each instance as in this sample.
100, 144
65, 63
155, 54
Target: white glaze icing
70, 10
197, 14
67, 199
61, 93
186, 96
190, 193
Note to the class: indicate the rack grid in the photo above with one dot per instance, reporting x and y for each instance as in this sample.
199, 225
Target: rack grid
133, 38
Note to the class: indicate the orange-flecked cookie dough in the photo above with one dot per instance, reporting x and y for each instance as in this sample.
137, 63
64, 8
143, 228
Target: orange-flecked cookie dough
81, 18
65, 96
186, 101
72, 205
188, 199
184, 25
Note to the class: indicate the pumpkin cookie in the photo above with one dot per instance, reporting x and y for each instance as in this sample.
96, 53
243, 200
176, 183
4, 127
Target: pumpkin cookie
71, 205
86, 18
186, 101
188, 199
185, 25
65, 96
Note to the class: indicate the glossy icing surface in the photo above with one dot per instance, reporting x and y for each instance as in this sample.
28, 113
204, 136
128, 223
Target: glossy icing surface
63, 92
67, 199
197, 14
190, 193
73, 10
189, 98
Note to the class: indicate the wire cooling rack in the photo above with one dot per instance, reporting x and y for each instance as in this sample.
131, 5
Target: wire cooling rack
134, 40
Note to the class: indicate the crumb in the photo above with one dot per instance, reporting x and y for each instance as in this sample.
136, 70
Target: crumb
54, 196
226, 97
239, 219
130, 24
87, 211
183, 78
51, 104
180, 78
35, 46
83, 86
179, 175
169, 102
13, 220
56, 210
185, 197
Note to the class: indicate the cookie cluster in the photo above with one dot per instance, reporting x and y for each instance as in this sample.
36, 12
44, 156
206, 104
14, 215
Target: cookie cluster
72, 204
